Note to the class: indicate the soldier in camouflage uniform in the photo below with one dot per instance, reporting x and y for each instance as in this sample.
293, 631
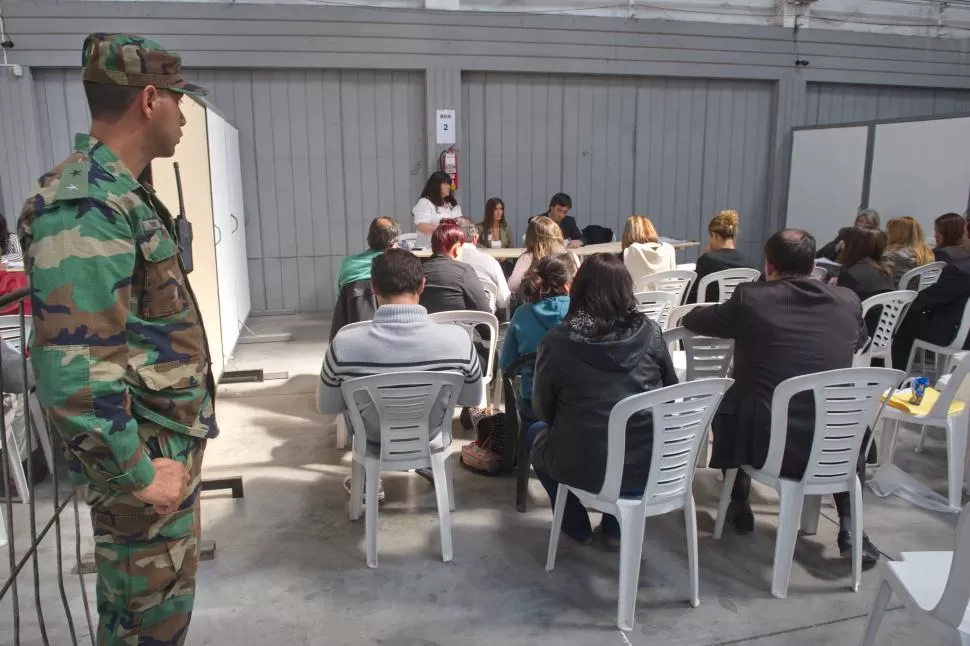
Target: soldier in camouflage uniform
118, 349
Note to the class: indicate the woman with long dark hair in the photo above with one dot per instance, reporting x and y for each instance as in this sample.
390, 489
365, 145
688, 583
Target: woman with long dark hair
9, 244
436, 203
493, 231
951, 238
603, 351
863, 270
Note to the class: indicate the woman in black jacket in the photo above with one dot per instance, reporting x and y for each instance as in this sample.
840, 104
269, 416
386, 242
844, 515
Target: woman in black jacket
603, 351
863, 270
450, 285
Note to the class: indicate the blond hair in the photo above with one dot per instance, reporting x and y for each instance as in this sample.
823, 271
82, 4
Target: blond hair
724, 224
543, 238
906, 233
639, 229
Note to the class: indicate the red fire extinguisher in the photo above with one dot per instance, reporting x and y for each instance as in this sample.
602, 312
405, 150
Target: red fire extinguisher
448, 162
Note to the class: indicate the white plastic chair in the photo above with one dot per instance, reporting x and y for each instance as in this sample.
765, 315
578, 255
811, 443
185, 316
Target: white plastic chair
894, 307
491, 290
3, 528
727, 280
469, 319
956, 426
941, 352
678, 313
938, 600
676, 281
681, 415
656, 305
847, 401
819, 272
927, 274
689, 266
404, 402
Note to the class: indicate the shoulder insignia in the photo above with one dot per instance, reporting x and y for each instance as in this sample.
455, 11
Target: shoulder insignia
74, 181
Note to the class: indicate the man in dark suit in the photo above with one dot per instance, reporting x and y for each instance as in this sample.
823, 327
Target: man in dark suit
785, 326
559, 207
936, 313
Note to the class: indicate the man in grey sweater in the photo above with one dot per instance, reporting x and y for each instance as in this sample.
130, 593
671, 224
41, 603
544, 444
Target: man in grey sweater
400, 338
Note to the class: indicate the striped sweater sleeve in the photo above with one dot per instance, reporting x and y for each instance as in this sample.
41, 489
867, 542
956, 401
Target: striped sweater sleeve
330, 400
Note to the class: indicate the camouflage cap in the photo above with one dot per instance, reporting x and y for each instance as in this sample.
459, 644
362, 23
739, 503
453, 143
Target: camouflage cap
125, 59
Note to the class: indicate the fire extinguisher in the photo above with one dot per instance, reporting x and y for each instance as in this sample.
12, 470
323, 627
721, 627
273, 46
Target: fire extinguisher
448, 162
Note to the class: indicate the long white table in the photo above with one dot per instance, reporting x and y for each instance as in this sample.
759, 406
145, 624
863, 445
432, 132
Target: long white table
586, 250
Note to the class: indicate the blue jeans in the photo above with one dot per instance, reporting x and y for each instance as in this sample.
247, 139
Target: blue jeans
575, 519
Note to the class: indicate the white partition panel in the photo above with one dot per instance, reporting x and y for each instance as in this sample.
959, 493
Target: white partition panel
826, 179
921, 169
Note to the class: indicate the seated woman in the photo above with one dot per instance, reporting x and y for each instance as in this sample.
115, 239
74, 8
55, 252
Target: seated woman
906, 248
951, 238
643, 253
493, 231
542, 238
449, 284
720, 254
862, 269
866, 219
545, 290
603, 351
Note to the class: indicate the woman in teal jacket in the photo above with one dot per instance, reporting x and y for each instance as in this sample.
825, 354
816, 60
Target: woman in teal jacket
546, 292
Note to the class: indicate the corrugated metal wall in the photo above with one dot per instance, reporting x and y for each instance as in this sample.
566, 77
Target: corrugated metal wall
323, 153
676, 150
20, 164
829, 103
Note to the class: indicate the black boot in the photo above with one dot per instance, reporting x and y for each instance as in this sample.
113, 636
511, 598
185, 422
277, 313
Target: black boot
870, 553
740, 517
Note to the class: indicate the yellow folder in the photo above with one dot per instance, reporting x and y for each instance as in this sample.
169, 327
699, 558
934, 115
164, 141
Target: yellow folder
900, 401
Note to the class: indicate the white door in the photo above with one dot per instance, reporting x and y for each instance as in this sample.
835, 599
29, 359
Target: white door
222, 224
238, 221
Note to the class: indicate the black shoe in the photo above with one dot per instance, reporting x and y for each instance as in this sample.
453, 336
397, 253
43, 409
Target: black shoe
426, 474
740, 517
870, 553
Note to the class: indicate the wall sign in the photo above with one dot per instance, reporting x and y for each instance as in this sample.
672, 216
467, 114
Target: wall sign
446, 126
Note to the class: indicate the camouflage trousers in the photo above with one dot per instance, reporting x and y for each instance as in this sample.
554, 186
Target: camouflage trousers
147, 563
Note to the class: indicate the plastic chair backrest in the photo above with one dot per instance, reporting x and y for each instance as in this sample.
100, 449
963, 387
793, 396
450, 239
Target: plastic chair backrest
404, 402
469, 319
847, 401
10, 330
677, 314
491, 290
894, 307
707, 356
727, 280
961, 370
952, 607
927, 274
656, 305
961, 336
676, 281
681, 416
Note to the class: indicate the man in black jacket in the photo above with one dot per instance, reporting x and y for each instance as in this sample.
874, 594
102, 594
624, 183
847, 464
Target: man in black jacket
559, 207
786, 326
936, 314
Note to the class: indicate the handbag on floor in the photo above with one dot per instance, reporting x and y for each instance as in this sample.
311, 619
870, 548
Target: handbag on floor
487, 453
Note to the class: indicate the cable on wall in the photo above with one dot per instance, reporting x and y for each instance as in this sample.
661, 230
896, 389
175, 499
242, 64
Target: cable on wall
5, 43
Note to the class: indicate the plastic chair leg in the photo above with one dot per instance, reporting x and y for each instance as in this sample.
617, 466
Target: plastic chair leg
886, 435
450, 476
729, 477
811, 510
557, 514
631, 550
690, 518
922, 439
3, 530
442, 491
356, 490
39, 422
956, 455
878, 610
855, 505
373, 471
790, 502
341, 432
16, 462
522, 474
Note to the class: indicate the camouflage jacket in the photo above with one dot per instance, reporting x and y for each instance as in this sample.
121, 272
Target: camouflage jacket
117, 334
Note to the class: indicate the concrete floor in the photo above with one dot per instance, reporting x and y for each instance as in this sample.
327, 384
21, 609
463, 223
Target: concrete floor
289, 567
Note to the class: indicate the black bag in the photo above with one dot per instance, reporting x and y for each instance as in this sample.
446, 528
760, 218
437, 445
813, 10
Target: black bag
595, 234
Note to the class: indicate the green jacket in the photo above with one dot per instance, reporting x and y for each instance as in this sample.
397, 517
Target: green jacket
117, 334
354, 268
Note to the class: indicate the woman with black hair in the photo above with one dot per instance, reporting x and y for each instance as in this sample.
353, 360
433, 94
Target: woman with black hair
9, 245
951, 238
603, 351
436, 203
493, 231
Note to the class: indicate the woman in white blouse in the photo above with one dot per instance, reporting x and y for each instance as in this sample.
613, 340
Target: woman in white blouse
435, 204
643, 253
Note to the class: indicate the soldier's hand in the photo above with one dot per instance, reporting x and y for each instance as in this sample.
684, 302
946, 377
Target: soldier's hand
167, 490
